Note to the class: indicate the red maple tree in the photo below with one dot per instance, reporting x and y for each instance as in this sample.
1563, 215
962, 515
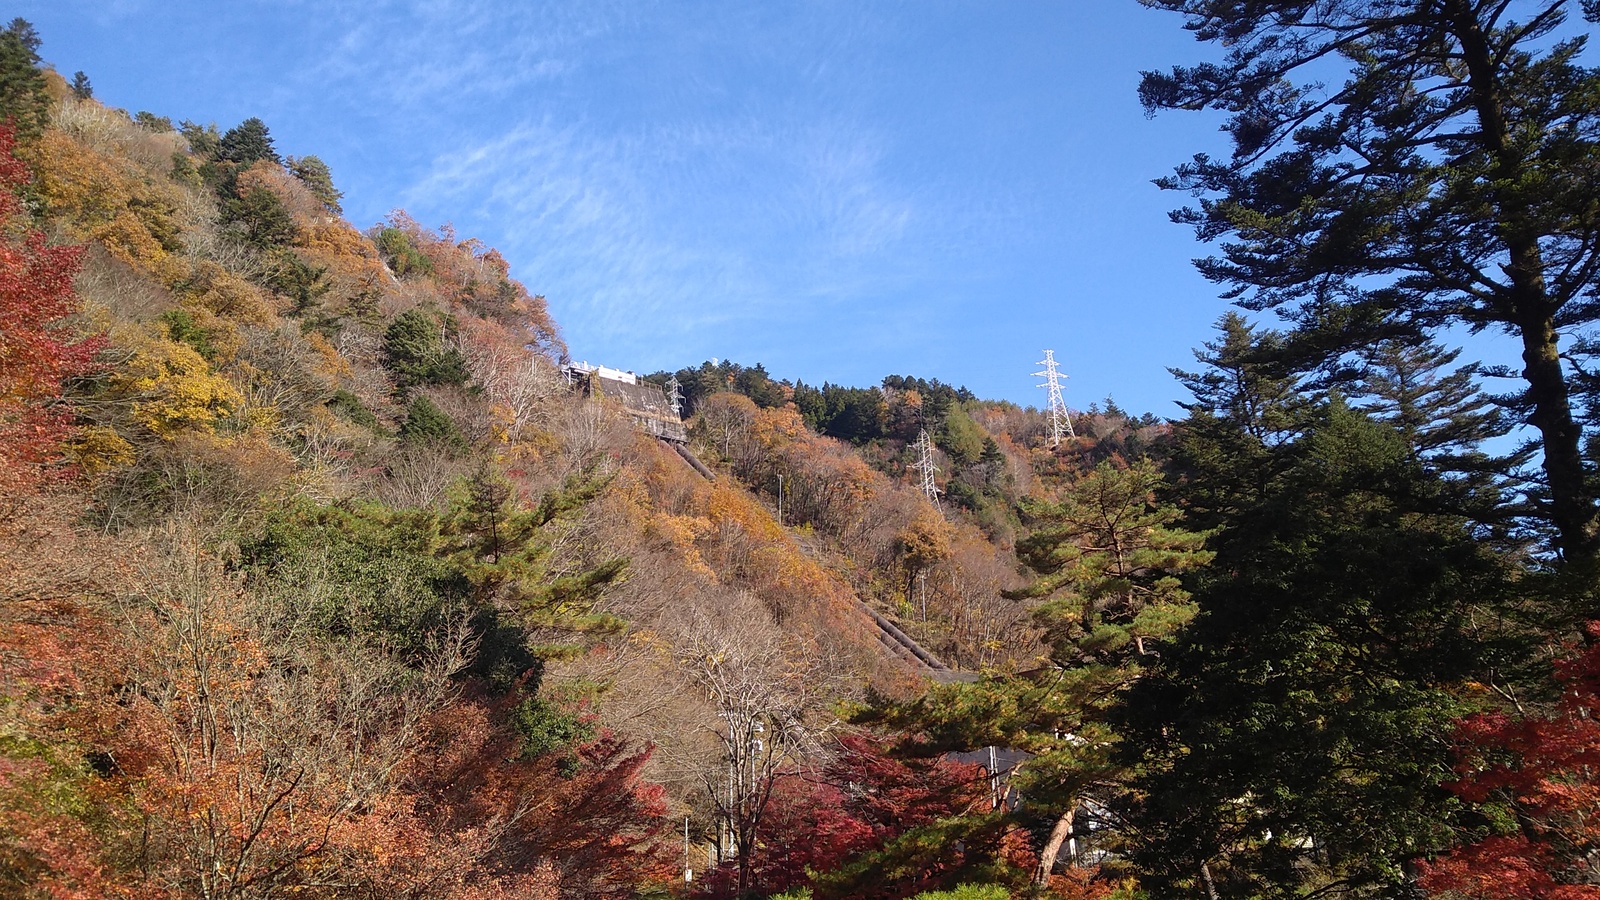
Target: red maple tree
1543, 775
39, 348
862, 799
591, 827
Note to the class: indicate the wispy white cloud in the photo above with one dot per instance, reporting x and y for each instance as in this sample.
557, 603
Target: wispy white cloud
420, 54
834, 187
675, 229
658, 172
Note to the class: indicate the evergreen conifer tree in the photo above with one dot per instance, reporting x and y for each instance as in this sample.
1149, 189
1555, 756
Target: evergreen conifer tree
1293, 738
247, 144
153, 123
1445, 180
23, 100
504, 548
1441, 415
260, 219
25, 34
426, 423
1245, 383
317, 178
204, 140
1109, 556
414, 350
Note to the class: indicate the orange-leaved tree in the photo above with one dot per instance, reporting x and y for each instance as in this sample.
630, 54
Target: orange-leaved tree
506, 811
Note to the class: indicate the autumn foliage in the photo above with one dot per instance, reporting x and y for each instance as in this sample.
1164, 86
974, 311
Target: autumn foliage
56, 653
357, 598
39, 348
226, 759
1539, 779
871, 824
169, 727
589, 826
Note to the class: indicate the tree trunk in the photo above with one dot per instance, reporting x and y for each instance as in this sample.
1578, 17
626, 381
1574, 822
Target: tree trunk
1211, 886
1572, 509
1527, 305
1052, 846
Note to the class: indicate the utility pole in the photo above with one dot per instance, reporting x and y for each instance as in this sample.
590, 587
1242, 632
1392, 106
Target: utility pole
1060, 421
925, 467
780, 501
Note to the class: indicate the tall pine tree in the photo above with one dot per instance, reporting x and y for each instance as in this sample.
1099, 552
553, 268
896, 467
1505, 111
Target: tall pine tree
247, 144
1109, 557
1438, 413
23, 101
1293, 738
1446, 180
1245, 382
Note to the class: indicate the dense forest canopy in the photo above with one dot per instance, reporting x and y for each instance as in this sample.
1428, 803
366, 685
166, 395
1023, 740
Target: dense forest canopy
319, 577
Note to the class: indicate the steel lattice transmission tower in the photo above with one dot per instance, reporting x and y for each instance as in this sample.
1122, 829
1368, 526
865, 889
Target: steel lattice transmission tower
675, 396
1060, 421
924, 466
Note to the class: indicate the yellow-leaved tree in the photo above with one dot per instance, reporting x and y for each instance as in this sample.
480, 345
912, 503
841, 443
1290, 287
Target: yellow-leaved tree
169, 386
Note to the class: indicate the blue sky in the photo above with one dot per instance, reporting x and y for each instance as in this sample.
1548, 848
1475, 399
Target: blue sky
838, 190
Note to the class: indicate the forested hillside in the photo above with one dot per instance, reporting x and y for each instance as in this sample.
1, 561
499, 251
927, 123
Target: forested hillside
319, 576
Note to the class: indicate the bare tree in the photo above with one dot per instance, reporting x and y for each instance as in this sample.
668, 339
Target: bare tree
419, 475
264, 745
519, 382
767, 705
724, 423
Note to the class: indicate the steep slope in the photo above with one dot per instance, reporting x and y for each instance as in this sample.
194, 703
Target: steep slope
320, 578
347, 513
